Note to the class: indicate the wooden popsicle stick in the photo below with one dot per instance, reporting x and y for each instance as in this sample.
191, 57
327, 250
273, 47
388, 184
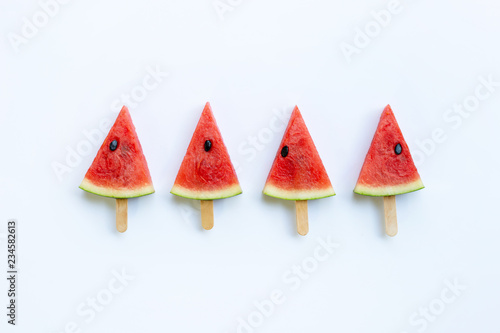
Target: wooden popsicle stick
207, 214
391, 218
121, 215
302, 217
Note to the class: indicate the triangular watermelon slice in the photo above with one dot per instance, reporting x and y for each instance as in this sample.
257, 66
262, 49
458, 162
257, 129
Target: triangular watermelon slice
119, 169
298, 172
206, 173
388, 168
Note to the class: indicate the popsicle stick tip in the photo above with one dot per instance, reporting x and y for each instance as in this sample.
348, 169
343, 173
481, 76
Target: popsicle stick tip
207, 214
391, 218
302, 217
121, 215
121, 229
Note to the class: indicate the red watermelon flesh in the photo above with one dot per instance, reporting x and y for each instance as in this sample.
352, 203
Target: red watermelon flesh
300, 175
206, 174
384, 172
122, 172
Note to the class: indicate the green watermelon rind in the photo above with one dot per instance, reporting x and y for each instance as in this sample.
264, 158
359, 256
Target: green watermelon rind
88, 186
385, 191
295, 195
227, 192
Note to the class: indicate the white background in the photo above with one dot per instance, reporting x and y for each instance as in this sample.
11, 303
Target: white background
261, 57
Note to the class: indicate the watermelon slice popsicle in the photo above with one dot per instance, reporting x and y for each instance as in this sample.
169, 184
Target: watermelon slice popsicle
206, 173
298, 173
388, 169
119, 169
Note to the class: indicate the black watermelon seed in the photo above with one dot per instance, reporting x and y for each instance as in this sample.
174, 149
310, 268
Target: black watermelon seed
284, 151
398, 149
113, 145
208, 145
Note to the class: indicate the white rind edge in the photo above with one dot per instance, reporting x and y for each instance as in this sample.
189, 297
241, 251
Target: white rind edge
228, 192
276, 192
384, 191
88, 186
